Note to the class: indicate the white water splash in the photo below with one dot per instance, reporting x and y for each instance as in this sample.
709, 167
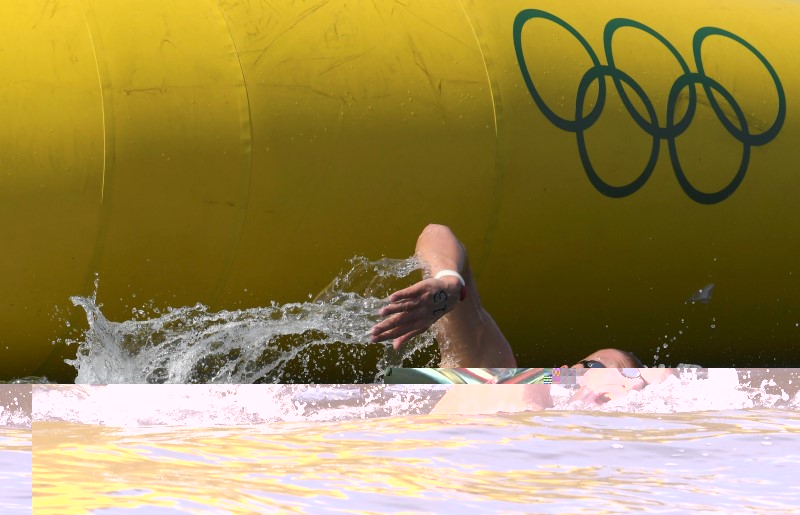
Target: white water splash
696, 390
701, 389
14, 418
15, 406
226, 405
281, 343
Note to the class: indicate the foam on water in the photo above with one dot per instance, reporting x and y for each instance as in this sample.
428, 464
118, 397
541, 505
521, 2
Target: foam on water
713, 389
281, 343
226, 405
15, 406
14, 418
737, 461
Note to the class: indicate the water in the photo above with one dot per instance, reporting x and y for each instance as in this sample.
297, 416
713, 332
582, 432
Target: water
15, 470
710, 441
15, 449
303, 342
561, 462
319, 341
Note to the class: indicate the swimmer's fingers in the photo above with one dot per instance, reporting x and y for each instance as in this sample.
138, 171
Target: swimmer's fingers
401, 335
415, 291
403, 325
411, 302
397, 325
414, 310
398, 342
430, 294
400, 306
426, 289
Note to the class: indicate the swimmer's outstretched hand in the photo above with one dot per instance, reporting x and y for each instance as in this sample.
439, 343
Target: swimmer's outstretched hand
414, 310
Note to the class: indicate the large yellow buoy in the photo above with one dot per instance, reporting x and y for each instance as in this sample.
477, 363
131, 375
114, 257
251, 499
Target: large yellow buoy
604, 162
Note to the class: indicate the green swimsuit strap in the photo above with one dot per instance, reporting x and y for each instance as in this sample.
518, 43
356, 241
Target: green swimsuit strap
467, 376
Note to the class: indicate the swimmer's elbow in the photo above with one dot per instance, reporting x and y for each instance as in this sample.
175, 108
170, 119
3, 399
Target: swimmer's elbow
437, 230
439, 238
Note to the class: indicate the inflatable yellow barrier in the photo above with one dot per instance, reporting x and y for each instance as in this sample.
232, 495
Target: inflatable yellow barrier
603, 162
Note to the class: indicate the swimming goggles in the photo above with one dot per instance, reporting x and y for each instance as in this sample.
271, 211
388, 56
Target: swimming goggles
630, 373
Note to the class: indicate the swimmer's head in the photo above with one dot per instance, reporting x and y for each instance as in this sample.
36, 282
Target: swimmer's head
614, 373
612, 358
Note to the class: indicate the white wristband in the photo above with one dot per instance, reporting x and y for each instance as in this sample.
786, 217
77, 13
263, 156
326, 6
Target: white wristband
452, 273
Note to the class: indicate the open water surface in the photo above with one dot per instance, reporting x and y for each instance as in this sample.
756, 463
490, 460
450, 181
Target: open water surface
15, 449
709, 441
15, 470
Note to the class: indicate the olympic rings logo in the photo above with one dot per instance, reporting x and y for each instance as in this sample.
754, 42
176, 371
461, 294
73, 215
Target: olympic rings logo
650, 124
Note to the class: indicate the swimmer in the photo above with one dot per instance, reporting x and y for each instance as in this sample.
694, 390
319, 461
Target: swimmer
447, 300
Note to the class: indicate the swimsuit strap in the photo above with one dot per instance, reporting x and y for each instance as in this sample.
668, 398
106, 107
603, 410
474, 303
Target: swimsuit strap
468, 376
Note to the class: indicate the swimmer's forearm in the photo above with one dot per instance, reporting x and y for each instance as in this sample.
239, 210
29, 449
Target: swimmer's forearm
468, 336
413, 310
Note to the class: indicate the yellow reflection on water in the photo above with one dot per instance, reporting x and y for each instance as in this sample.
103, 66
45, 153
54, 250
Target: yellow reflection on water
15, 470
424, 461
84, 468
